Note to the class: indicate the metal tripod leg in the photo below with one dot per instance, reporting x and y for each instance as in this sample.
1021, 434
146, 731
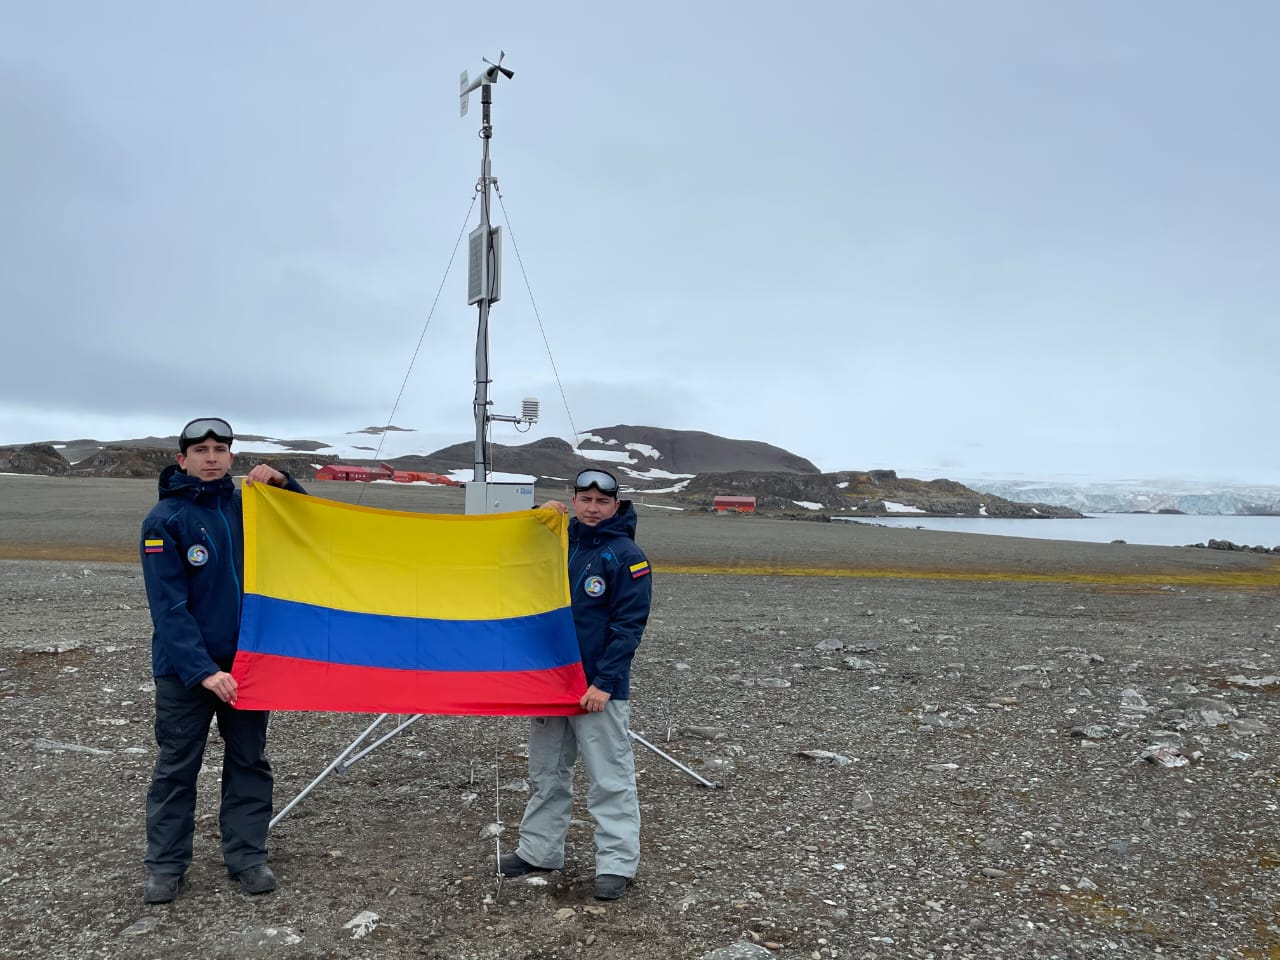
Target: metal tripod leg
672, 760
345, 759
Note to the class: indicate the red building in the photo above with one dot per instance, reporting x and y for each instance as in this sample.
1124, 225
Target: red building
424, 476
734, 504
342, 471
345, 471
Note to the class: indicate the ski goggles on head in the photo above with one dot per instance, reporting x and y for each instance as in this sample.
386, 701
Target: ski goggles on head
203, 427
603, 481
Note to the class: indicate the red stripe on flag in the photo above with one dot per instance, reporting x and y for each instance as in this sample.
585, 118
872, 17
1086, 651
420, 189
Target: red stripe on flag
269, 682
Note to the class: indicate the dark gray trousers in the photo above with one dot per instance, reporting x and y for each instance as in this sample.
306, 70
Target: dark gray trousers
182, 728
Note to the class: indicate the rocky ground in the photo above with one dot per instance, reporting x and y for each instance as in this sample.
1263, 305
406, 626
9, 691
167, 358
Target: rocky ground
932, 746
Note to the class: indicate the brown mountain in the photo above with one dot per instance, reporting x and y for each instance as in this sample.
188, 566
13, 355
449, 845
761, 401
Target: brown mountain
692, 451
649, 448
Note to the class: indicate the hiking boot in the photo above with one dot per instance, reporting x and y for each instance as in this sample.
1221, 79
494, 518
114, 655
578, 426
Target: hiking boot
256, 880
514, 865
610, 886
162, 887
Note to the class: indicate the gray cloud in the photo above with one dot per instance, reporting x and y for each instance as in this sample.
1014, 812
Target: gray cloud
983, 238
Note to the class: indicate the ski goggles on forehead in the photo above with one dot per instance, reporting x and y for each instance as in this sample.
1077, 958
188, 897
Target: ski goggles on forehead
604, 482
197, 430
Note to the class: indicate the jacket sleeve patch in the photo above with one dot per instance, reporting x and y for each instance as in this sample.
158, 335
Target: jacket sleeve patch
152, 546
639, 569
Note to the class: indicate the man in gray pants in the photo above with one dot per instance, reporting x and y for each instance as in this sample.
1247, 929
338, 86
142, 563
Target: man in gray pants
611, 592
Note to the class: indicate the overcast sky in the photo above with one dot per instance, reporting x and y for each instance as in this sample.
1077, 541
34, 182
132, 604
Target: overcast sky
953, 239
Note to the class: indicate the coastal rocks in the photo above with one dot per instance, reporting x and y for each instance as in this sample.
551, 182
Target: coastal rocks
867, 493
1238, 547
39, 459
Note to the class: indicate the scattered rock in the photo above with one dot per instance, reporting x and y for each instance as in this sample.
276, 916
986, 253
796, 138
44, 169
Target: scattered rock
825, 757
1093, 731
362, 924
739, 951
259, 938
1247, 727
57, 746
140, 926
1164, 756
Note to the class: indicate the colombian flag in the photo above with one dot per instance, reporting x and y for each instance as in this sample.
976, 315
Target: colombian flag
349, 608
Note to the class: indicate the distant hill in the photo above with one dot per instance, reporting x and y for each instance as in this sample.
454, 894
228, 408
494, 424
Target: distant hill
550, 457
868, 493
635, 451
690, 451
689, 467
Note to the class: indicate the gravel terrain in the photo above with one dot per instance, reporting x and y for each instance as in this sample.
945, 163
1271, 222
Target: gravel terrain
929, 745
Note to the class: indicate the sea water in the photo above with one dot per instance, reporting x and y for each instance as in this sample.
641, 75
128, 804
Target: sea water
1158, 529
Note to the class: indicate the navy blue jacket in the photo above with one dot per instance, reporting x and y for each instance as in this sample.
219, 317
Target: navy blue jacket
192, 552
611, 589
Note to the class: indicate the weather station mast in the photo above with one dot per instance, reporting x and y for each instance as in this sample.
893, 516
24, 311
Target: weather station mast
484, 288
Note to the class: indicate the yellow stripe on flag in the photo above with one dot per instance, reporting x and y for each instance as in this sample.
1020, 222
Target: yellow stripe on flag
394, 563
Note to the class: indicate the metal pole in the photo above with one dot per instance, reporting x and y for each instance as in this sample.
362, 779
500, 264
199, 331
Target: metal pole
480, 468
380, 741
672, 760
335, 765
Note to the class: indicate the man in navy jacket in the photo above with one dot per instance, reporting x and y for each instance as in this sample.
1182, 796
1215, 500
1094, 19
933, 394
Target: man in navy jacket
611, 591
192, 550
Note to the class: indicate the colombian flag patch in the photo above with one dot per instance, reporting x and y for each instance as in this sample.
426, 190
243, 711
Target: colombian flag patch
153, 546
639, 569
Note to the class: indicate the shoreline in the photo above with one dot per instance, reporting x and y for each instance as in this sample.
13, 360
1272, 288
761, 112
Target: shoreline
97, 519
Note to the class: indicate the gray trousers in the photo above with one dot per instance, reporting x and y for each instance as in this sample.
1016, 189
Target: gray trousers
554, 745
182, 726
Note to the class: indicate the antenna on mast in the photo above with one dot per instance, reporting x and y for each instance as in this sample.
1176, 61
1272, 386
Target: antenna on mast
484, 287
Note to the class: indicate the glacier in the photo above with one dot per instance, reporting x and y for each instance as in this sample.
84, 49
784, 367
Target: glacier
1138, 496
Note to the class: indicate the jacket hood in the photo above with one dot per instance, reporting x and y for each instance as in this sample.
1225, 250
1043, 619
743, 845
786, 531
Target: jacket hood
621, 524
174, 482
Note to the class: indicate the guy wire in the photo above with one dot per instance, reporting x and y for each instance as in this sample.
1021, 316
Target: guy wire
377, 455
497, 818
542, 330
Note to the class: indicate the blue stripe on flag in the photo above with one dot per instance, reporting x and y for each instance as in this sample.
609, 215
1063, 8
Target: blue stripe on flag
290, 629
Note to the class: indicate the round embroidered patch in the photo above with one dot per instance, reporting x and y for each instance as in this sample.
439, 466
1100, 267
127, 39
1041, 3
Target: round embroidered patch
594, 586
197, 556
